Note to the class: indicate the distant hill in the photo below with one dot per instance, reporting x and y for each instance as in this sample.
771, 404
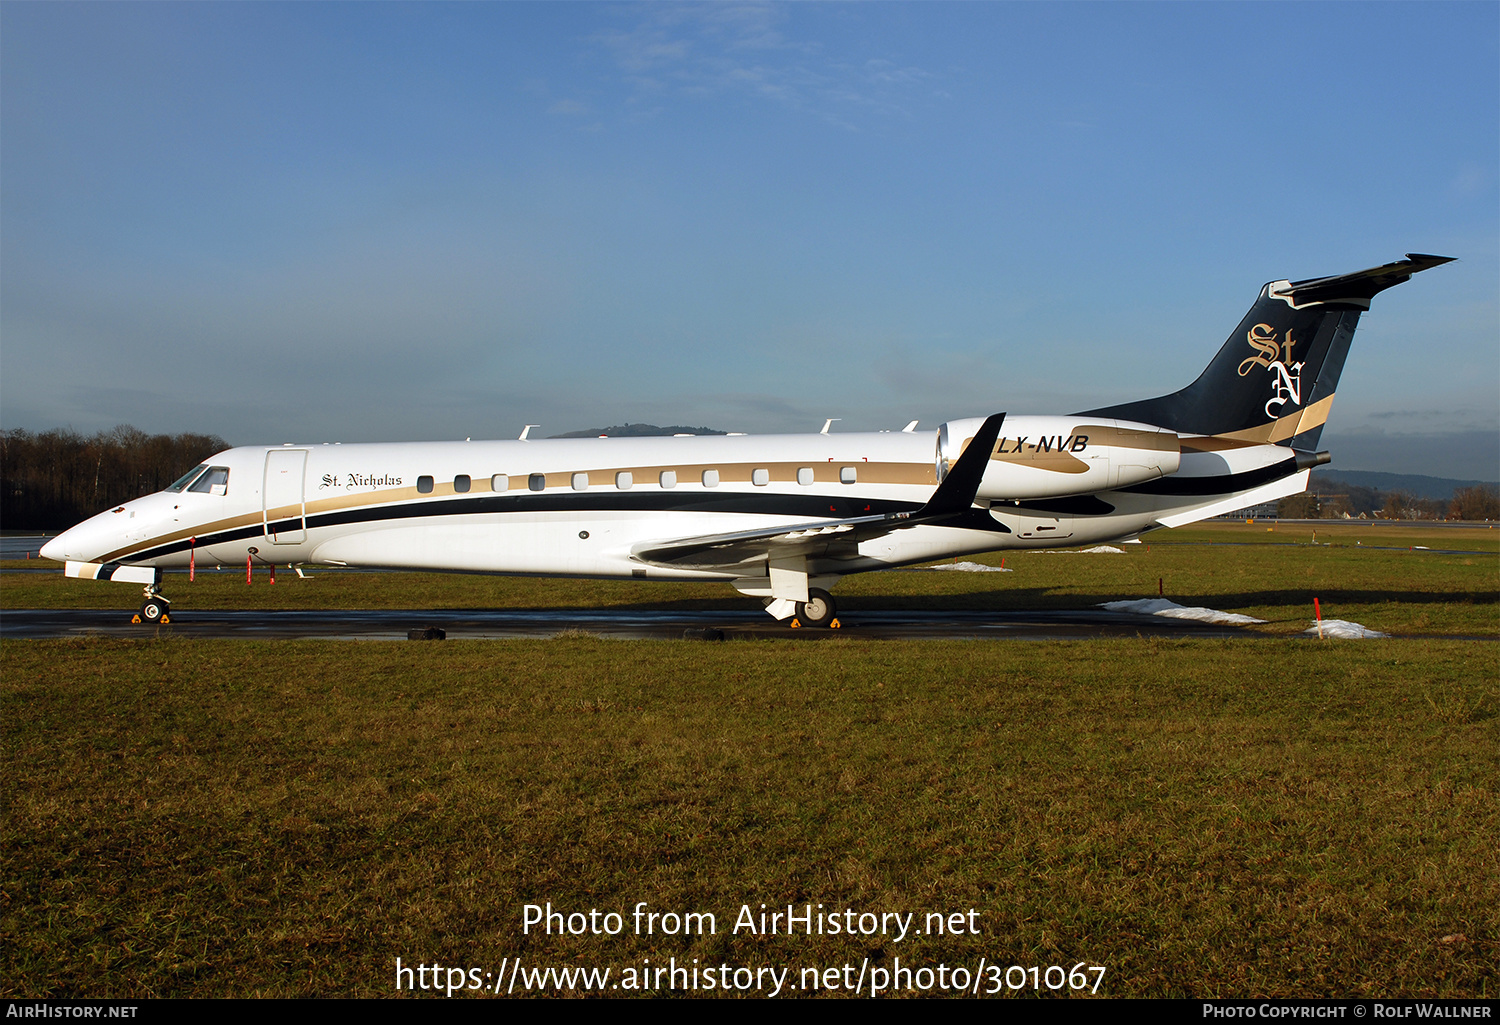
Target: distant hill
638, 431
1416, 485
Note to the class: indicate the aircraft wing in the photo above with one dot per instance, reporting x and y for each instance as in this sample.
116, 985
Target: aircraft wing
950, 503
726, 551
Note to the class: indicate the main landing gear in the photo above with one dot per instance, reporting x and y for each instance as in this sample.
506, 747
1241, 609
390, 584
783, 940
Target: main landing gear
156, 608
788, 597
818, 611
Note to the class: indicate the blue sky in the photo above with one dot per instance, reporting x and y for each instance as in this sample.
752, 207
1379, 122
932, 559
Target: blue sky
351, 222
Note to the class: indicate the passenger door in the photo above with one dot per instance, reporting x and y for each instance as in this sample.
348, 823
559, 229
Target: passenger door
283, 501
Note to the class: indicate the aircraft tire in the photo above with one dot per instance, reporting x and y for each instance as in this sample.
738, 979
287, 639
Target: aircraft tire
153, 610
818, 610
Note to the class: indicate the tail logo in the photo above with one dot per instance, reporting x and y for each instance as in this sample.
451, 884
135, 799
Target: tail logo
1286, 383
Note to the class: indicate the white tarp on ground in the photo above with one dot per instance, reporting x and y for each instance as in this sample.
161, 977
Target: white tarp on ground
1099, 550
971, 567
1163, 607
1344, 630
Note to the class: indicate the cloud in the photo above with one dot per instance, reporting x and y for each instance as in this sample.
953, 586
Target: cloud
1438, 420
704, 50
1470, 180
1464, 455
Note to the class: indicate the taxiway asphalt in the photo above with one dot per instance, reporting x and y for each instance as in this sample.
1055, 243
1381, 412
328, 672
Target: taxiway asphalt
631, 623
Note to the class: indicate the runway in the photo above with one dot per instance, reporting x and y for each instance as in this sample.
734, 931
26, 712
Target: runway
622, 623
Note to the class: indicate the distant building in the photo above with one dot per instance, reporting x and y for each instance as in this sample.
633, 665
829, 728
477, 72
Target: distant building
1264, 511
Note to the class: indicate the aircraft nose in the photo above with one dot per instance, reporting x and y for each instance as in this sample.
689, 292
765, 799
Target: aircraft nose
81, 544
55, 550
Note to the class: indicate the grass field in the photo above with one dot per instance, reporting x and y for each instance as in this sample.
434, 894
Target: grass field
1274, 816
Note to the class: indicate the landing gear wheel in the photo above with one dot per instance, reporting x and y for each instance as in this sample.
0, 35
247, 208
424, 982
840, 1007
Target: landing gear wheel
155, 609
819, 608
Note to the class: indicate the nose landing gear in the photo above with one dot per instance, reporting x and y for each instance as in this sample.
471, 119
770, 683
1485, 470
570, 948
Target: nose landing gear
156, 608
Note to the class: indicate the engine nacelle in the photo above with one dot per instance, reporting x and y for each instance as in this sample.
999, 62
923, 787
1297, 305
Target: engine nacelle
1057, 456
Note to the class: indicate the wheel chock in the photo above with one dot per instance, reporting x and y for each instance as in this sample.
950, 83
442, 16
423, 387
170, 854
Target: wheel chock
796, 623
136, 618
835, 625
165, 619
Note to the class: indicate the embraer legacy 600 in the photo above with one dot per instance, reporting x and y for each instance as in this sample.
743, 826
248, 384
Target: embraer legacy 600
780, 517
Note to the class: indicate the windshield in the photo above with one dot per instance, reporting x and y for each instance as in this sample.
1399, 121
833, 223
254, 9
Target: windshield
217, 476
187, 478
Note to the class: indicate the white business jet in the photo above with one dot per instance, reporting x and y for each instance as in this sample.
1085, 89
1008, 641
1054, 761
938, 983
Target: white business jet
780, 517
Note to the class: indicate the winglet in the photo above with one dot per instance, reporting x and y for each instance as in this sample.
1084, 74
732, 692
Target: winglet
956, 493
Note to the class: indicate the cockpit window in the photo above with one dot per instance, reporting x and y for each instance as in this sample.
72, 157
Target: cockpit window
215, 481
187, 478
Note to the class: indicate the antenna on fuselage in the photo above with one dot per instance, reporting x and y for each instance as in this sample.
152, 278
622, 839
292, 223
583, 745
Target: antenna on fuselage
910, 427
829, 423
526, 430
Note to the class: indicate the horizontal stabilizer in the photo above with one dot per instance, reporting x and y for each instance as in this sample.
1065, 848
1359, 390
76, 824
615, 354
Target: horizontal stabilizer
1360, 286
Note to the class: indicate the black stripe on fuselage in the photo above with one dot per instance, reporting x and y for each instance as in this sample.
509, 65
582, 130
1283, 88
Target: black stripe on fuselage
1078, 505
810, 506
1227, 485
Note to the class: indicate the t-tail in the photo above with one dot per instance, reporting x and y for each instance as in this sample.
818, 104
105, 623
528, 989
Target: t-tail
1274, 379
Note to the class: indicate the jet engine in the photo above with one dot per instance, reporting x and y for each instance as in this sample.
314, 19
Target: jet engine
1058, 456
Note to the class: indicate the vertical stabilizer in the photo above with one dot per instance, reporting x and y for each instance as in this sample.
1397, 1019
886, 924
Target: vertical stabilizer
1274, 379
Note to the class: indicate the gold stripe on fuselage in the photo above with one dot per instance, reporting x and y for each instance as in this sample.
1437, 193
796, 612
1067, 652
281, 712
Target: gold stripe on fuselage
689, 475
1060, 459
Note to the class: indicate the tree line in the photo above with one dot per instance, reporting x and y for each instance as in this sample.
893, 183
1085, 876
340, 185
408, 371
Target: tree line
1480, 502
53, 479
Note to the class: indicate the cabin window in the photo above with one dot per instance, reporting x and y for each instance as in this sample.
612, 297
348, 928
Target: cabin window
710, 478
215, 481
804, 475
424, 485
848, 475
624, 480
537, 482
461, 483
760, 478
186, 478
580, 482
669, 478
500, 482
